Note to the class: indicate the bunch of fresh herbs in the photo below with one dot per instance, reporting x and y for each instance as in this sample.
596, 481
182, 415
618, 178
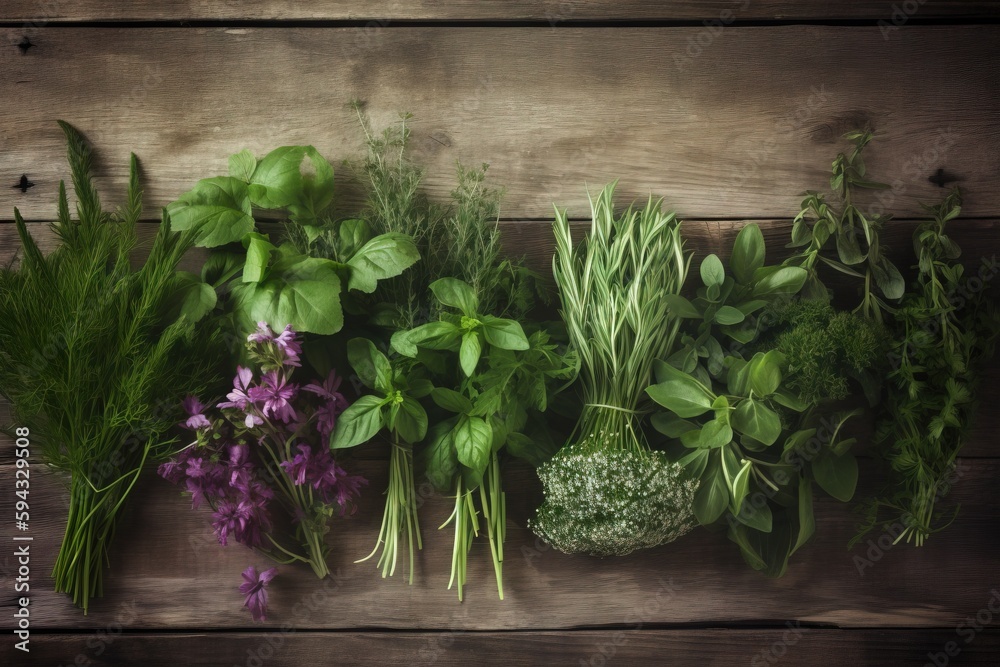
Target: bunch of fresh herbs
742, 397
267, 445
606, 492
95, 356
944, 329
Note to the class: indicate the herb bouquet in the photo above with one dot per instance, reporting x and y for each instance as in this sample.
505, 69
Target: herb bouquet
607, 493
95, 357
265, 445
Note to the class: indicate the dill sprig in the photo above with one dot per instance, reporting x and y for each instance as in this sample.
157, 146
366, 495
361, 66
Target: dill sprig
94, 359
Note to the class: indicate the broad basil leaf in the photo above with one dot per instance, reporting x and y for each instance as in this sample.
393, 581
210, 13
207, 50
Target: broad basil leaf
217, 208
457, 294
385, 256
358, 424
756, 420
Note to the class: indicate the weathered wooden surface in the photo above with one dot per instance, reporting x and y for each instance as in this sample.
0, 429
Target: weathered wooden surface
794, 645
738, 130
169, 565
383, 12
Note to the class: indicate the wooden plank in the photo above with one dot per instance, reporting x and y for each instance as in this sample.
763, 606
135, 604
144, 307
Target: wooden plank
710, 647
167, 566
383, 12
735, 131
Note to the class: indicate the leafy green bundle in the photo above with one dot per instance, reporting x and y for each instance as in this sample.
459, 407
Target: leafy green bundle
742, 395
283, 284
943, 330
472, 361
614, 288
95, 358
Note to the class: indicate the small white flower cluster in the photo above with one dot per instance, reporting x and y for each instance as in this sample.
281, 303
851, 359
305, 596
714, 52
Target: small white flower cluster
610, 502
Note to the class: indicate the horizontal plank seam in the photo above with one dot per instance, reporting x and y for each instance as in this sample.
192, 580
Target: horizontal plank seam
389, 23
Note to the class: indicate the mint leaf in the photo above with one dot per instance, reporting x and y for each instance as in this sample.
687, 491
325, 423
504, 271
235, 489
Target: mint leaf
382, 257
218, 209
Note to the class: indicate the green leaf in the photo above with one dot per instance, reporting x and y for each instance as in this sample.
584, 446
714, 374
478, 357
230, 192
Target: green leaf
765, 372
242, 165
433, 335
748, 253
384, 256
671, 425
756, 420
411, 422
284, 178
837, 475
681, 307
218, 209
221, 266
358, 424
807, 519
259, 249
303, 292
728, 315
789, 401
473, 444
681, 394
712, 496
741, 485
888, 279
353, 234
196, 298
715, 434
758, 516
772, 281
468, 354
362, 355
504, 334
440, 459
712, 271
848, 249
457, 294
451, 400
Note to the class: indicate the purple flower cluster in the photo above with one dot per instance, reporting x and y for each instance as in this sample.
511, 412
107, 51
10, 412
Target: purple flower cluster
230, 485
320, 471
267, 427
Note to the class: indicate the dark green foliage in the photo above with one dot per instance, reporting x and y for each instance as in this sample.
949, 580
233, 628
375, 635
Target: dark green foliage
824, 349
95, 360
943, 331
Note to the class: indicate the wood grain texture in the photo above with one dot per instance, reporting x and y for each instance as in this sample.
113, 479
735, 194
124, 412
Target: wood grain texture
168, 568
735, 131
682, 646
34, 12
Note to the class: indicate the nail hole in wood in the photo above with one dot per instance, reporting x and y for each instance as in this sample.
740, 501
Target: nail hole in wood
24, 45
941, 178
23, 184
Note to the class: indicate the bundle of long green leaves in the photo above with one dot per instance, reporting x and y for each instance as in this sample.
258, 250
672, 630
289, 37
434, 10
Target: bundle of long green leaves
607, 493
94, 359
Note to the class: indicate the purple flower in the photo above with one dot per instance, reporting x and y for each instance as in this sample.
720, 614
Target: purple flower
298, 467
240, 397
287, 343
276, 395
240, 467
331, 482
326, 418
227, 519
206, 480
328, 390
254, 589
196, 417
172, 471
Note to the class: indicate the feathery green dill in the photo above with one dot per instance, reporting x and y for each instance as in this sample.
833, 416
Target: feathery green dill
94, 359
